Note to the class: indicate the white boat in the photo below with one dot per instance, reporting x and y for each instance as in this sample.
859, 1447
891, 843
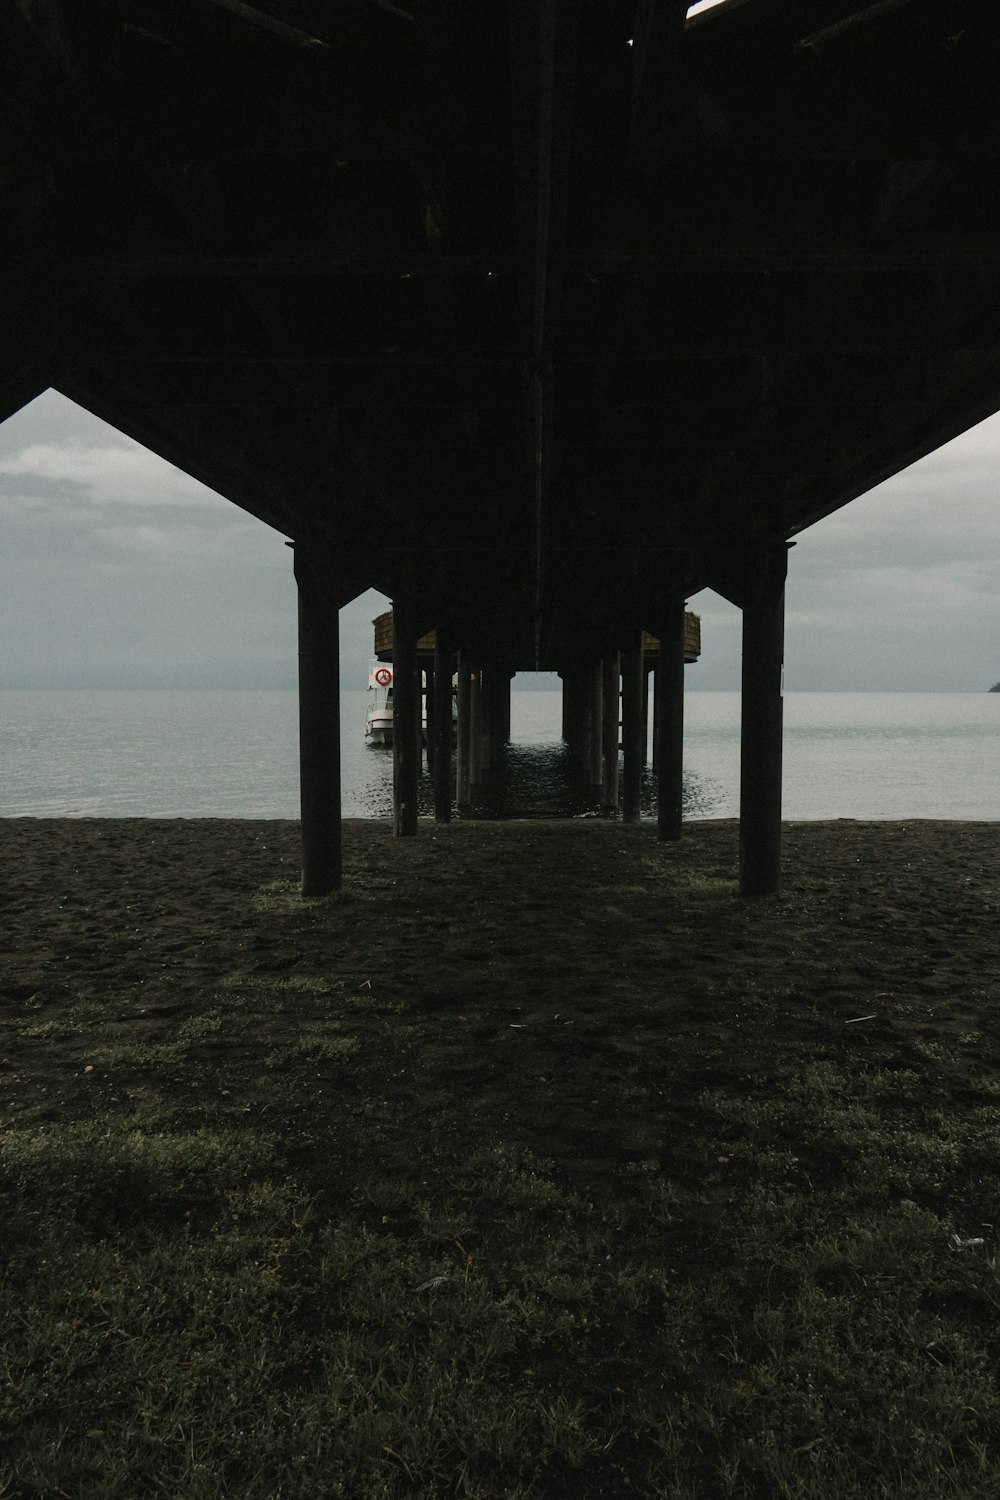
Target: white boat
378, 716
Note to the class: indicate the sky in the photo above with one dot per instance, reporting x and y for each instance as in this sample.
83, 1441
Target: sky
118, 570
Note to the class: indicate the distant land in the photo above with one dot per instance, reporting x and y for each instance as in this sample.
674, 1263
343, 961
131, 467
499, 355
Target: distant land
995, 688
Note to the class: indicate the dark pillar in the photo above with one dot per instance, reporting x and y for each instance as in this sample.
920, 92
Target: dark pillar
760, 765
406, 711
611, 688
427, 676
319, 722
571, 708
475, 731
595, 728
442, 735
496, 708
633, 683
668, 727
464, 737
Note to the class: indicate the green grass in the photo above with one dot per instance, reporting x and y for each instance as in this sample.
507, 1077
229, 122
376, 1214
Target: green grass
184, 1316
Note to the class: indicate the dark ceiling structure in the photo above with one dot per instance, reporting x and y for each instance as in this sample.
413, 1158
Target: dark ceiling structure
535, 312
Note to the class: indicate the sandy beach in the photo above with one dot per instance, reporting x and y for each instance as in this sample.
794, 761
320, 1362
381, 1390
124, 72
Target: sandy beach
530, 977
536, 1164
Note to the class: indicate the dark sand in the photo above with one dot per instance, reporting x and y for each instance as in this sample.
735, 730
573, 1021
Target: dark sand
570, 986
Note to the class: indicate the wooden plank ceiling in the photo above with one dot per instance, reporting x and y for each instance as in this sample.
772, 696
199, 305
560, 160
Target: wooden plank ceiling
538, 312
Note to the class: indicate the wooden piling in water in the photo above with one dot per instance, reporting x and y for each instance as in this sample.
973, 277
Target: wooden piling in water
610, 731
633, 684
406, 716
442, 734
668, 727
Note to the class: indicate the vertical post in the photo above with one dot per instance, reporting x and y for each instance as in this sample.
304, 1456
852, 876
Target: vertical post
487, 679
475, 730
496, 703
571, 707
760, 764
668, 726
405, 720
611, 686
442, 732
464, 737
595, 739
430, 707
319, 723
633, 683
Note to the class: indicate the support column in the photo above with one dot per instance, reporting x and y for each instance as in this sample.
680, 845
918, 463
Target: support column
475, 731
464, 738
668, 727
430, 706
611, 689
405, 720
633, 682
571, 708
442, 729
595, 729
319, 722
760, 765
496, 705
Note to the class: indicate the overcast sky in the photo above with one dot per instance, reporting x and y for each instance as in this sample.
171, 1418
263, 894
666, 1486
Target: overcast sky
118, 570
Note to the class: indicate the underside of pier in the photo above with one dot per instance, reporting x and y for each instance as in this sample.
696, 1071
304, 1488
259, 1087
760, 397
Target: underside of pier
537, 315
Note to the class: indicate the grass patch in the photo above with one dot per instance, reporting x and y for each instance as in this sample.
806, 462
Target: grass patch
183, 1317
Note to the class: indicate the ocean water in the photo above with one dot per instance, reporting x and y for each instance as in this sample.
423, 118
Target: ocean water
124, 753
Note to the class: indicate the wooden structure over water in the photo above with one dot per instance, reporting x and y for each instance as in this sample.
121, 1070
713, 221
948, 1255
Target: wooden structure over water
384, 640
594, 716
537, 315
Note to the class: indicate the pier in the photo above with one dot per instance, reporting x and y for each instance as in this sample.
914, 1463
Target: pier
538, 318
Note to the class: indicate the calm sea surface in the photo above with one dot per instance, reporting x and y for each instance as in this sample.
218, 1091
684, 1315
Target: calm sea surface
235, 755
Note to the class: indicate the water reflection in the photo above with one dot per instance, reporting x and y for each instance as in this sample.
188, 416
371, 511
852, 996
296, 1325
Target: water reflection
525, 781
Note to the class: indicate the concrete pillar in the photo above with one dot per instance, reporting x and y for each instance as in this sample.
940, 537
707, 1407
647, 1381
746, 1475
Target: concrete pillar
406, 713
610, 730
442, 729
761, 744
319, 722
633, 684
668, 728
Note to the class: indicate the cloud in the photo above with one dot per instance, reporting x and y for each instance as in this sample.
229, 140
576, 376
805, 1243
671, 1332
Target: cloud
105, 474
